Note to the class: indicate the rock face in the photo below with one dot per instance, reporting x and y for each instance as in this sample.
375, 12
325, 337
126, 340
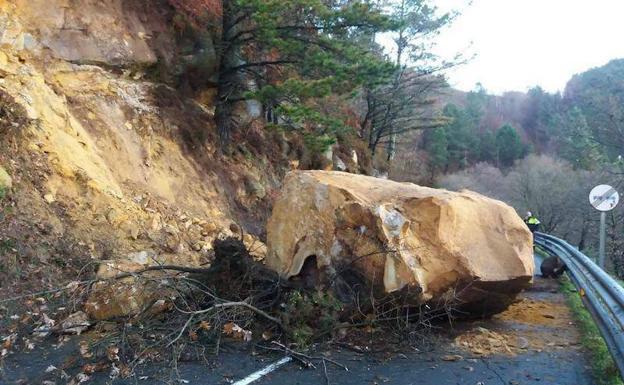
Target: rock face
87, 31
112, 165
402, 236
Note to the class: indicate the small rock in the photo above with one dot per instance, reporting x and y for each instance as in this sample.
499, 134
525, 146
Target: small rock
112, 216
208, 229
523, 343
76, 323
235, 228
452, 357
339, 165
173, 230
255, 188
5, 179
156, 224
49, 198
134, 232
141, 257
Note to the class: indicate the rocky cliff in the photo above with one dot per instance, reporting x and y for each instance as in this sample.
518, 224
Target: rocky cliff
105, 161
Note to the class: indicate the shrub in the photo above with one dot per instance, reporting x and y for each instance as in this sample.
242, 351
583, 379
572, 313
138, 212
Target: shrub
12, 115
310, 315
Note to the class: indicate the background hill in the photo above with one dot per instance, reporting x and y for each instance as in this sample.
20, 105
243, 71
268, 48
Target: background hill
582, 126
536, 150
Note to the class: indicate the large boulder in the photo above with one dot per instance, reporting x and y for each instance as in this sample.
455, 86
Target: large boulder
434, 243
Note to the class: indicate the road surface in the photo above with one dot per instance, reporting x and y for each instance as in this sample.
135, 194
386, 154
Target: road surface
534, 342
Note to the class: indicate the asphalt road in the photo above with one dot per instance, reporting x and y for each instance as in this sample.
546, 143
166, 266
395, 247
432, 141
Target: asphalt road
552, 355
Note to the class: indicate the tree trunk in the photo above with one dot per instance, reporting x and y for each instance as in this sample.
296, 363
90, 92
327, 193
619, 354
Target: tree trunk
229, 82
392, 146
224, 117
401, 45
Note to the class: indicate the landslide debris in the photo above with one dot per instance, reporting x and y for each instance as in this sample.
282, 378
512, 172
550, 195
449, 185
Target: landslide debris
439, 246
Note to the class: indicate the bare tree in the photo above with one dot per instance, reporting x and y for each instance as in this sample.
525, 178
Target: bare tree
555, 192
404, 104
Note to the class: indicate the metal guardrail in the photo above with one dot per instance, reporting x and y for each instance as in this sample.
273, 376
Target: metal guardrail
601, 294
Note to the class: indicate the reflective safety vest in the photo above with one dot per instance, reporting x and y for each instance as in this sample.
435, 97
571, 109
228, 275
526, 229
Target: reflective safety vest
532, 221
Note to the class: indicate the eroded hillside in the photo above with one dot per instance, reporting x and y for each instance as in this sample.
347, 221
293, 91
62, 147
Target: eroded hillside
106, 163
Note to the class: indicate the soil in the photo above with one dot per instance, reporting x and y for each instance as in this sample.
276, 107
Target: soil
538, 321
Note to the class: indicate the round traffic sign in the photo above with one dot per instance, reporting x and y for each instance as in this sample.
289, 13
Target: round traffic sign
604, 197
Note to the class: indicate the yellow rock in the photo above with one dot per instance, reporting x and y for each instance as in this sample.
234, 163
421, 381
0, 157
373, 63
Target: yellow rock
5, 179
109, 300
401, 235
80, 148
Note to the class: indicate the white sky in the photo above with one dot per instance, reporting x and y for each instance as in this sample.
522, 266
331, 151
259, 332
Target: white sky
522, 43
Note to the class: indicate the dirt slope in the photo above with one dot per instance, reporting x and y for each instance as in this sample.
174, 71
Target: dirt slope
108, 164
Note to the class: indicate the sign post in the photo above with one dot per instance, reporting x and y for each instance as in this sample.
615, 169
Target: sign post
603, 235
604, 198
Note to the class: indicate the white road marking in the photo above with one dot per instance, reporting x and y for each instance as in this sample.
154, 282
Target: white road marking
255, 376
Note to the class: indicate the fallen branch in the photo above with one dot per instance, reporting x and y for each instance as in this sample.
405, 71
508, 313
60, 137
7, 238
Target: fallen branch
235, 304
311, 358
186, 324
181, 269
45, 292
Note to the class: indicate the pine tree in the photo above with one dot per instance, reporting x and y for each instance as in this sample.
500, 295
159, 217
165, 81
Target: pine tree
576, 143
437, 147
404, 104
487, 148
509, 146
463, 147
286, 52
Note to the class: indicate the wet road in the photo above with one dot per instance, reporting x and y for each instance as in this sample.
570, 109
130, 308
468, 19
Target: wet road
540, 345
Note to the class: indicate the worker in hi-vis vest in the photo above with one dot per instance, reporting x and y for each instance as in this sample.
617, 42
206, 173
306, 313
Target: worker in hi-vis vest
532, 222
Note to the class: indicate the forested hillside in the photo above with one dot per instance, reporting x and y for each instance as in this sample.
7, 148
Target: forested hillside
538, 151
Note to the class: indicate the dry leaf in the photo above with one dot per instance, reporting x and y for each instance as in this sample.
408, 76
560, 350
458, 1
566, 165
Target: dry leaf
88, 368
125, 371
452, 357
75, 323
112, 352
228, 328
233, 330
84, 350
